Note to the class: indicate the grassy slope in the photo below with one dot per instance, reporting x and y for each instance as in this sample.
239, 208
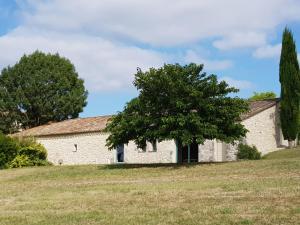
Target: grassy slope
249, 192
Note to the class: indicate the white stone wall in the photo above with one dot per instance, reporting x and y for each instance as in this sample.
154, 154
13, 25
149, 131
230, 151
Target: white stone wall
216, 151
230, 152
206, 151
91, 149
166, 153
264, 131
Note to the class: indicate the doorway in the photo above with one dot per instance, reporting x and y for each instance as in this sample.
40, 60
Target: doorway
188, 154
120, 153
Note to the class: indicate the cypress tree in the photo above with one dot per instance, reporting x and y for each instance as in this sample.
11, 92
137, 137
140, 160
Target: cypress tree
289, 77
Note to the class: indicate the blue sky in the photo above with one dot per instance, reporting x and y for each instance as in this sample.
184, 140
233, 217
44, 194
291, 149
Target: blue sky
107, 40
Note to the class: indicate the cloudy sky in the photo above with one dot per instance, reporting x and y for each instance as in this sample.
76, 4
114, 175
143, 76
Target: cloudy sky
238, 40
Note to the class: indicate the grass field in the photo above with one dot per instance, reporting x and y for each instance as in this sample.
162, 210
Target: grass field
248, 192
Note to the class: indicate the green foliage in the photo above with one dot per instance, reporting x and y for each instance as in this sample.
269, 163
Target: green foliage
25, 161
20, 161
16, 153
30, 153
38, 89
248, 152
290, 87
8, 150
34, 152
262, 96
32, 149
181, 103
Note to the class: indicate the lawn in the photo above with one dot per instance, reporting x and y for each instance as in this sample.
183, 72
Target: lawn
248, 192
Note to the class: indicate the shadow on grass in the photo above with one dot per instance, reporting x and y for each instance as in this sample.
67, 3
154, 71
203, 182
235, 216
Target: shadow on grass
156, 165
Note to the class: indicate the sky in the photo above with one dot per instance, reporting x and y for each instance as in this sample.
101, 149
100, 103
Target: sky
106, 40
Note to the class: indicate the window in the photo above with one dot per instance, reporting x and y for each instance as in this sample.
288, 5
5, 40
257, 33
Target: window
75, 148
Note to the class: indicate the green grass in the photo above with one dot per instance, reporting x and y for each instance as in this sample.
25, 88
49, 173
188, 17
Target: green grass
247, 192
285, 154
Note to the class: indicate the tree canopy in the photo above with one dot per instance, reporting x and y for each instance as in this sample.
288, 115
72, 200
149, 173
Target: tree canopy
289, 77
262, 96
38, 89
181, 103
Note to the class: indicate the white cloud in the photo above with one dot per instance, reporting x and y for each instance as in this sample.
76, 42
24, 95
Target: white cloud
104, 65
102, 38
267, 51
192, 56
240, 84
165, 22
237, 40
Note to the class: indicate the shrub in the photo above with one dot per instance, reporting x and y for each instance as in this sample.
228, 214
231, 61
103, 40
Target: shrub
34, 152
248, 152
39, 162
16, 153
30, 153
20, 161
8, 150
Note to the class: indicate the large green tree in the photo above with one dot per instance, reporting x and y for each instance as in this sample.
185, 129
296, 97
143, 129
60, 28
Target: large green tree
38, 89
290, 88
181, 103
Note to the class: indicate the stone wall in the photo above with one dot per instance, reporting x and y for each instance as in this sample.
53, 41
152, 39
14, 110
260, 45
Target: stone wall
165, 153
216, 151
264, 131
89, 148
206, 151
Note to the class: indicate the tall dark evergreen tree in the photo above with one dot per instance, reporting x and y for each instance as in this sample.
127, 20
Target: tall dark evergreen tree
289, 77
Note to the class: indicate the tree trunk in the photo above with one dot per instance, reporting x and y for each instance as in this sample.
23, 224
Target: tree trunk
291, 143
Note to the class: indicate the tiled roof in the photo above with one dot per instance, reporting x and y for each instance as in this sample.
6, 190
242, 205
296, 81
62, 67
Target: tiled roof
259, 106
96, 124
72, 126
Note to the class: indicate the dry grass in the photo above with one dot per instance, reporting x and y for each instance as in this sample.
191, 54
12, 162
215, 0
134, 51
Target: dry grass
248, 192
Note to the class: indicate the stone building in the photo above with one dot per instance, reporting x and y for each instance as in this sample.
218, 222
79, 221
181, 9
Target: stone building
82, 141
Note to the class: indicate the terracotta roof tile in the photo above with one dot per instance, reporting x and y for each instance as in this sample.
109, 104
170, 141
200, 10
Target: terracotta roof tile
72, 126
259, 106
96, 124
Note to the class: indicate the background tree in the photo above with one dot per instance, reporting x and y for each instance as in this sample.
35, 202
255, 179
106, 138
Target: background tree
181, 103
262, 96
38, 89
290, 88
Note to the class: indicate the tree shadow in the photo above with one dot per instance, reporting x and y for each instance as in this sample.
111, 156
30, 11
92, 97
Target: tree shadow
155, 165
